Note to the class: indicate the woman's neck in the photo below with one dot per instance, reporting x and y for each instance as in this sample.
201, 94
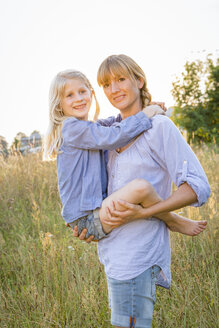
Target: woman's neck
131, 110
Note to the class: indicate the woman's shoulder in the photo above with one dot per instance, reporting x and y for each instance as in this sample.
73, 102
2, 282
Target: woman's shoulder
162, 129
161, 120
163, 125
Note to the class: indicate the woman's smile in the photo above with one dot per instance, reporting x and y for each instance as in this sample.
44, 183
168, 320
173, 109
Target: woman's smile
119, 98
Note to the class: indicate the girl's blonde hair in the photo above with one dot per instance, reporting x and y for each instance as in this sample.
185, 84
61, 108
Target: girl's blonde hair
122, 65
53, 139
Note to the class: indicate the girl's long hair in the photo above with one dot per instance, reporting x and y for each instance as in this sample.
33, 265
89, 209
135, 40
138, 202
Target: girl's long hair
53, 138
122, 65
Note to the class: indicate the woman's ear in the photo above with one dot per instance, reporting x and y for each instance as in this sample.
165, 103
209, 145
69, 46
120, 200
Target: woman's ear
140, 83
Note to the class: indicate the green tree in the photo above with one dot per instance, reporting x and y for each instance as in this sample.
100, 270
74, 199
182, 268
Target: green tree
196, 95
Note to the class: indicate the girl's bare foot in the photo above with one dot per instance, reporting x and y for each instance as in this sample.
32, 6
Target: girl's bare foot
186, 226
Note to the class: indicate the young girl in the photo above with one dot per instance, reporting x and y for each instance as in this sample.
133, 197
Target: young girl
78, 145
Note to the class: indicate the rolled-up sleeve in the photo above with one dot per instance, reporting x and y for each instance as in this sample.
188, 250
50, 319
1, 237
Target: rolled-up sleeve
175, 155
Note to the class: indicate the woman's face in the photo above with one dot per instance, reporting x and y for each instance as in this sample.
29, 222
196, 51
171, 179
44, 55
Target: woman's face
76, 100
122, 92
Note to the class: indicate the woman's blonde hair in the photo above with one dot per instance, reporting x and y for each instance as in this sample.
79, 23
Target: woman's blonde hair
122, 65
53, 139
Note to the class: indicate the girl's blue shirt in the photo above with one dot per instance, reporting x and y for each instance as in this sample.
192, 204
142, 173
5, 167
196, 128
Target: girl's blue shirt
81, 162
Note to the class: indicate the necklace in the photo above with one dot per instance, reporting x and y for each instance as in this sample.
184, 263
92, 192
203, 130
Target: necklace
118, 150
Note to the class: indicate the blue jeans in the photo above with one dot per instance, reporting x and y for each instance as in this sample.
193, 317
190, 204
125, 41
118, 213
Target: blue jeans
132, 301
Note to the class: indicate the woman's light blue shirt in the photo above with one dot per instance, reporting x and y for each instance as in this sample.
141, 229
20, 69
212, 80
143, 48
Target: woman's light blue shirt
161, 156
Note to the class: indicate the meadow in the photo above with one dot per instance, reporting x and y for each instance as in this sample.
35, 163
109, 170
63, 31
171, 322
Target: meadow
50, 279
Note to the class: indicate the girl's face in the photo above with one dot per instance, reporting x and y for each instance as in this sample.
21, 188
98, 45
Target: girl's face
76, 100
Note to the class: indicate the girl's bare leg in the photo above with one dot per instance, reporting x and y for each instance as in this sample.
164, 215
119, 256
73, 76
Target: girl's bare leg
141, 192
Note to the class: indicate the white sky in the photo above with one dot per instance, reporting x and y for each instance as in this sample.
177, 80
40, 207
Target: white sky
39, 38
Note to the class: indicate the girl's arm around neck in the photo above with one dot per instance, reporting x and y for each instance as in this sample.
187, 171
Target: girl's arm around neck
89, 135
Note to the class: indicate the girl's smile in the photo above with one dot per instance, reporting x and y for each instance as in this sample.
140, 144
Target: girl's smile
76, 100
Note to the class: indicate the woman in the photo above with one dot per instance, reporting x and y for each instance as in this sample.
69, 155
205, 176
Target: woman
136, 256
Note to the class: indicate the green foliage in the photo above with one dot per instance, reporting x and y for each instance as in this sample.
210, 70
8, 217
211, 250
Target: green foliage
196, 94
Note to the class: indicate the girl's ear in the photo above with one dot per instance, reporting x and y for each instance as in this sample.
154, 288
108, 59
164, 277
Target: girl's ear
140, 83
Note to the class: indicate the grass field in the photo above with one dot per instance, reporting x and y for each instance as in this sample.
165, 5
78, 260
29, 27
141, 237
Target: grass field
50, 279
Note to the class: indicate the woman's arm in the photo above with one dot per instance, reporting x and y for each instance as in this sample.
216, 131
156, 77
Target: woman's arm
171, 151
182, 197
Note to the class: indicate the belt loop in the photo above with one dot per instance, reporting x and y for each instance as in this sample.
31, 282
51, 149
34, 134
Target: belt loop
132, 322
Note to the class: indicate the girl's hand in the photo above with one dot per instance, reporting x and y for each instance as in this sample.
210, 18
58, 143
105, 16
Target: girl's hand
161, 104
153, 110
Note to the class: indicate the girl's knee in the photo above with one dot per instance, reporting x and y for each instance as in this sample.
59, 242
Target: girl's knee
142, 186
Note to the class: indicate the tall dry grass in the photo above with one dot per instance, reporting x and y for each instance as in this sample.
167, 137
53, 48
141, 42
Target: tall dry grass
50, 279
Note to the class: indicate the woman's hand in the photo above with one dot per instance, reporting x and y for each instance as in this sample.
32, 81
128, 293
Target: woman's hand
82, 235
128, 213
115, 218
